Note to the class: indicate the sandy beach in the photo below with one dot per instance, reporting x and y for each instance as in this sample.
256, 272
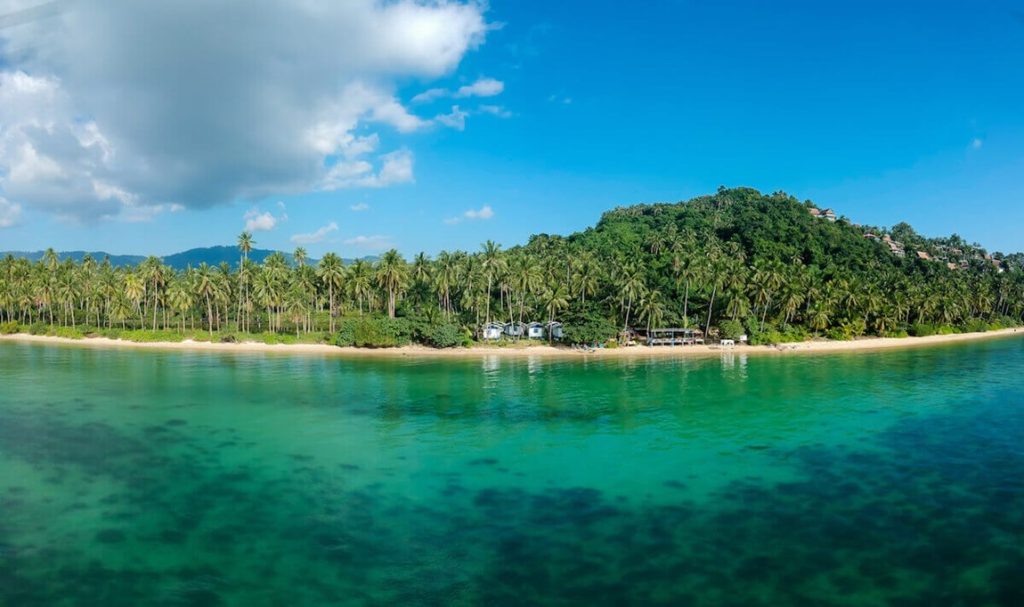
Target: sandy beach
809, 347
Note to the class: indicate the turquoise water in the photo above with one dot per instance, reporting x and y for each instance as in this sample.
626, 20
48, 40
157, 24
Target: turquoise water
166, 478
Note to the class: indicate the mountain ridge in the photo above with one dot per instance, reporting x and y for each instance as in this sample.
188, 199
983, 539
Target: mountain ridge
213, 255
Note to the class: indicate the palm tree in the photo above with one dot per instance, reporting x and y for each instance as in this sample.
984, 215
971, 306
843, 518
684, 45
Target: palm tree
490, 262
245, 244
206, 288
179, 298
555, 299
392, 276
652, 309
332, 273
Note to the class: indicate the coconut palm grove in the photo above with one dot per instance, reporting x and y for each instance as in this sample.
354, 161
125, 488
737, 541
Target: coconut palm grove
734, 263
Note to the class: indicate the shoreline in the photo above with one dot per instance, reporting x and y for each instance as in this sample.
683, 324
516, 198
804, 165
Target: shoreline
810, 347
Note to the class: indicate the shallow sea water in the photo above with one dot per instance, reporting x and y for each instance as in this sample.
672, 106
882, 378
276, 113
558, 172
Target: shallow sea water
167, 478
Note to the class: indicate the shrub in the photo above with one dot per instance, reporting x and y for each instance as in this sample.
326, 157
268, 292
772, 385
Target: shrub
38, 328
731, 329
839, 334
445, 336
10, 327
976, 325
373, 332
589, 331
923, 330
66, 332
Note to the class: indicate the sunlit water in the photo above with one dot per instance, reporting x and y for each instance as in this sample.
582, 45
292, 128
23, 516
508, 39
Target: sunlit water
167, 478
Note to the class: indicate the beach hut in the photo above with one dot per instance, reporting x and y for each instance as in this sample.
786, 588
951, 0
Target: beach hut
535, 330
555, 329
493, 330
515, 329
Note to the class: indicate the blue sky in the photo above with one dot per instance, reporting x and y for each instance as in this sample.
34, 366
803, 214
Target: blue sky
884, 111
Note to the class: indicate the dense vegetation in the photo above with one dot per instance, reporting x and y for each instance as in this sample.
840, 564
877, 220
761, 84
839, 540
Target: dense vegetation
734, 262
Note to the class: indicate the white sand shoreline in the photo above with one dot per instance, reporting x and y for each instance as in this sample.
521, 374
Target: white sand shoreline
810, 347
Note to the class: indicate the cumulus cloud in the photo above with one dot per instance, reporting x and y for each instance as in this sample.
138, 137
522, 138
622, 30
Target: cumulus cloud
484, 87
263, 221
483, 213
10, 213
395, 168
259, 222
370, 243
315, 237
105, 112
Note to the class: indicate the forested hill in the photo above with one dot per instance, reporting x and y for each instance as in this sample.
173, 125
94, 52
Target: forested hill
773, 262
776, 227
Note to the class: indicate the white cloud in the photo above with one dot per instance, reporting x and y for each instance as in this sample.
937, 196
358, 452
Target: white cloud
482, 214
359, 207
395, 168
483, 87
10, 213
977, 143
495, 110
103, 110
263, 221
456, 119
430, 95
315, 237
370, 243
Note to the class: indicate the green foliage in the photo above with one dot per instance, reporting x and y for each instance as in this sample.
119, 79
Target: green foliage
785, 334
447, 336
373, 332
9, 328
923, 330
977, 325
590, 330
732, 329
66, 332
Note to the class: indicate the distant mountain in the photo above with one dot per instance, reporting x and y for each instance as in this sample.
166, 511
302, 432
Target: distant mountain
77, 256
214, 256
193, 257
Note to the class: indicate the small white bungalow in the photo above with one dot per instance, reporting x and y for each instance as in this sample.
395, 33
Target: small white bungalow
535, 330
555, 329
493, 330
515, 329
